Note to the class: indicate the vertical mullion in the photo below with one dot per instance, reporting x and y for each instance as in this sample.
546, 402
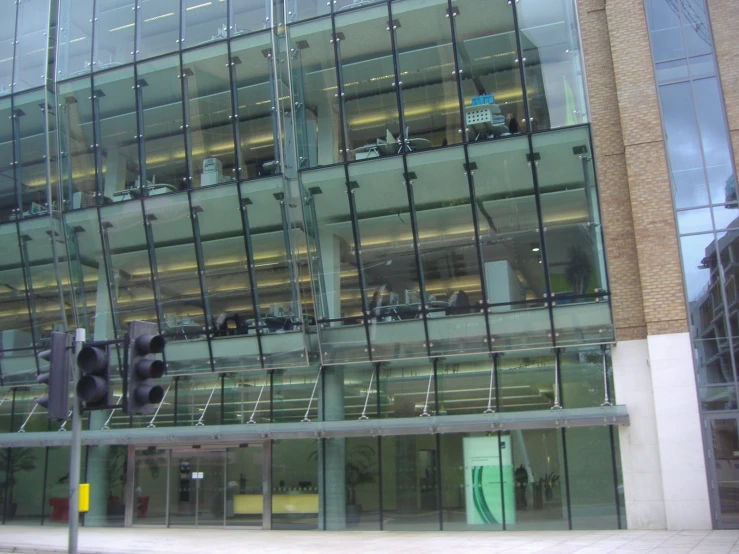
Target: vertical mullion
187, 142
439, 504
243, 206
223, 393
542, 238
46, 478
500, 470
615, 475
567, 478
176, 399
154, 271
521, 69
469, 173
335, 39
234, 116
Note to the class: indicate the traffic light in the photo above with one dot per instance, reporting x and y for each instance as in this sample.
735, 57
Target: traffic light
93, 388
143, 394
56, 400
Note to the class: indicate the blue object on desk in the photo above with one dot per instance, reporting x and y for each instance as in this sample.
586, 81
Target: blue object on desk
483, 99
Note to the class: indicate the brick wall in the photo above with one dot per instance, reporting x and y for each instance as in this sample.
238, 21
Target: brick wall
641, 240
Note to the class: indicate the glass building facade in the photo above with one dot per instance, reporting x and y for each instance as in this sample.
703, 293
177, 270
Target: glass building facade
346, 218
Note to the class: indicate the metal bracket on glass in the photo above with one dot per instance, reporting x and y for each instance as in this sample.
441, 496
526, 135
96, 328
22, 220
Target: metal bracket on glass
63, 426
256, 405
489, 409
607, 400
428, 392
366, 400
156, 413
557, 405
200, 421
310, 401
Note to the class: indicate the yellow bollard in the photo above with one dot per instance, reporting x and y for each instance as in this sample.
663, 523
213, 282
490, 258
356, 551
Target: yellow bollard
84, 497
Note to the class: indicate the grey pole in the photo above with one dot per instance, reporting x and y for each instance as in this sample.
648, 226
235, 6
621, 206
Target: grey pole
74, 454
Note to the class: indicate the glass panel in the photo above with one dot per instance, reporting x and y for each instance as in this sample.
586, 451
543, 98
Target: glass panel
8, 199
295, 484
426, 64
296, 395
538, 475
7, 47
31, 153
340, 303
227, 291
511, 250
410, 483
696, 29
582, 380
472, 493
702, 66
726, 452
305, 9
694, 221
491, 81
244, 489
41, 277
74, 38
351, 499
114, 33
15, 321
248, 16
350, 392
24, 415
209, 110
727, 216
198, 400
116, 101
166, 163
247, 398
150, 494
716, 143
56, 464
22, 470
6, 409
277, 313
183, 487
553, 66
407, 389
31, 44
526, 381
319, 132
448, 255
718, 398
466, 385
77, 144
18, 366
106, 472
204, 22
178, 287
370, 101
256, 100
211, 484
158, 27
664, 27
683, 146
388, 259
573, 239
671, 71
591, 486
89, 278
125, 237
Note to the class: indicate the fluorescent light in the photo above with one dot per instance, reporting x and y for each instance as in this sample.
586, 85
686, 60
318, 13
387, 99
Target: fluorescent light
121, 28
158, 17
198, 6
77, 39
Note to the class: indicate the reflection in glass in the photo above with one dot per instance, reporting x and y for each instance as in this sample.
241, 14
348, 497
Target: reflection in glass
725, 447
257, 106
204, 22
114, 33
430, 100
552, 64
209, 112
31, 152
526, 381
158, 28
370, 101
77, 144
15, 320
317, 118
32, 42
115, 99
8, 197
248, 16
7, 46
664, 29
161, 96
74, 38
22, 470
295, 486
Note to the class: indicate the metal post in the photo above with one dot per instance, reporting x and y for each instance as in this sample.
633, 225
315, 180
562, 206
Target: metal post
74, 455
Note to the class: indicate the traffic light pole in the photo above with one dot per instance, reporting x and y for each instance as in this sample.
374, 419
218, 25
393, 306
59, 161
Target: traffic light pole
74, 458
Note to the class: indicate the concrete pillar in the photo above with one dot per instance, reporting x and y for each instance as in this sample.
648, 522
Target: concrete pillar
332, 502
662, 457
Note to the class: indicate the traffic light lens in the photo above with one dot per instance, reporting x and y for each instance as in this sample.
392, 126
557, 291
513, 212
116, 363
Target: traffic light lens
91, 388
149, 394
150, 344
91, 359
150, 369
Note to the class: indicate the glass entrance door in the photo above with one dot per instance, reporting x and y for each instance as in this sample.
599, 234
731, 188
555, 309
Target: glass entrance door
245, 499
197, 487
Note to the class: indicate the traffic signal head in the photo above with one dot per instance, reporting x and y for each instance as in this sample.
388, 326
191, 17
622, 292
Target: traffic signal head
143, 393
93, 388
56, 400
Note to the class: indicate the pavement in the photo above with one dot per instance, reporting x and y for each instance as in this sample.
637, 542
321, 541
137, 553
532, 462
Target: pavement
27, 539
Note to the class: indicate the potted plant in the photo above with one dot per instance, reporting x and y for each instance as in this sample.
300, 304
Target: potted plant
12, 462
578, 270
360, 464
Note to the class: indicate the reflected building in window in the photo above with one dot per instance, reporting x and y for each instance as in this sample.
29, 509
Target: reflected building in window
420, 264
